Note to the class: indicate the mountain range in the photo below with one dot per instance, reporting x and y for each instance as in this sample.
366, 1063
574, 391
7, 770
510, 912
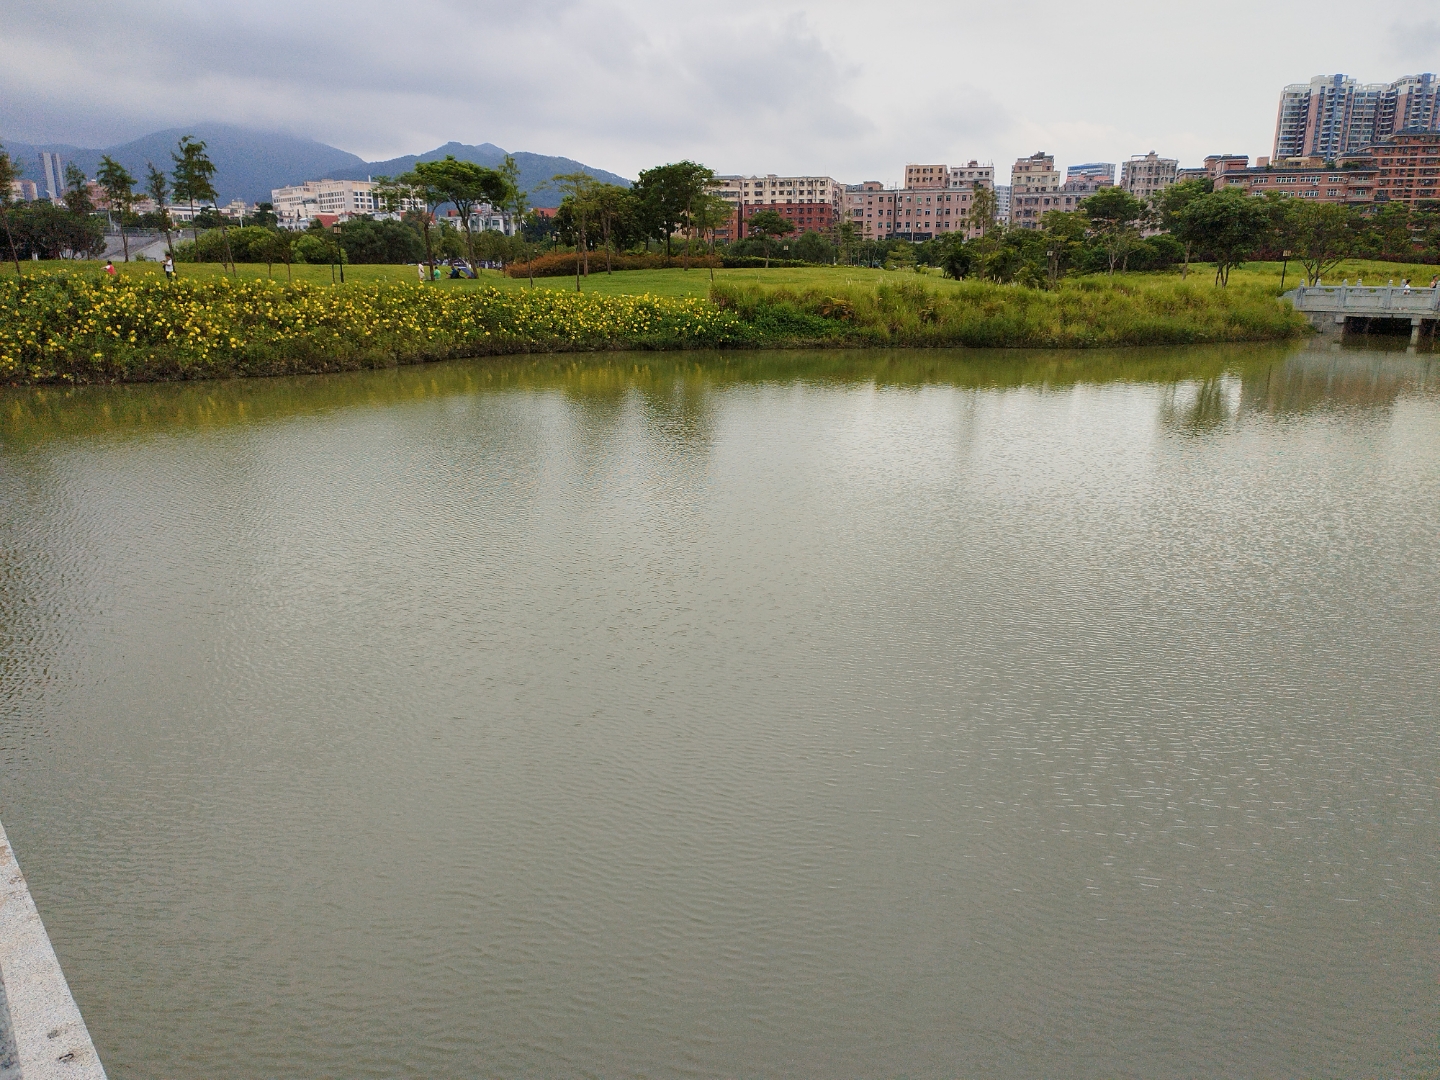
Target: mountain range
248, 164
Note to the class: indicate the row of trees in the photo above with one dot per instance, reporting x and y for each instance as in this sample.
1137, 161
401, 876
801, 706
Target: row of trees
48, 230
1190, 220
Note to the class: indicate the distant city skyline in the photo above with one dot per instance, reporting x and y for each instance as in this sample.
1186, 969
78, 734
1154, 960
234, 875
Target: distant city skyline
748, 88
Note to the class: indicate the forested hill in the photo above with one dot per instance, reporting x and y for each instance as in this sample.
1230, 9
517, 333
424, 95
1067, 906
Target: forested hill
535, 169
248, 164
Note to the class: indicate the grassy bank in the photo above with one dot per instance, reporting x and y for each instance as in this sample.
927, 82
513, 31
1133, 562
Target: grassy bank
1081, 314
87, 328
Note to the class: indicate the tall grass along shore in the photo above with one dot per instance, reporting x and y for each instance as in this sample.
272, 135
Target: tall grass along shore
85, 327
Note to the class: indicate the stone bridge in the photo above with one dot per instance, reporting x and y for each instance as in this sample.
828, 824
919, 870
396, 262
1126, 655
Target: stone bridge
1334, 309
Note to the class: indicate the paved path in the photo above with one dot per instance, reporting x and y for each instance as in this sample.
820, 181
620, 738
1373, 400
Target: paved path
42, 1036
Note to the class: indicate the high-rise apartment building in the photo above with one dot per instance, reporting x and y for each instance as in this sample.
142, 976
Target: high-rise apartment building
1146, 175
1090, 177
1034, 181
1002, 202
1333, 115
52, 176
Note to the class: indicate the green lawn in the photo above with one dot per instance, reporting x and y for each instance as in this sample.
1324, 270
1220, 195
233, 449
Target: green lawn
697, 282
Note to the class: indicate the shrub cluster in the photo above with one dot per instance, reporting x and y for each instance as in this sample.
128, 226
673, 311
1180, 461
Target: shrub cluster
87, 328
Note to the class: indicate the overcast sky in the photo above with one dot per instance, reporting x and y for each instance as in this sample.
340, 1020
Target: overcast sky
851, 90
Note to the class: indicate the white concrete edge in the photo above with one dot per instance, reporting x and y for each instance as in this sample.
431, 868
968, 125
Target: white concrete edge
49, 1033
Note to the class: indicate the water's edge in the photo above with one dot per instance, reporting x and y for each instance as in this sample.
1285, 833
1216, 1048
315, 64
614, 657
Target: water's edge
42, 1034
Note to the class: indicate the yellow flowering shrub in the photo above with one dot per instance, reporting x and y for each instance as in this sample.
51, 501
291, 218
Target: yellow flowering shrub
85, 327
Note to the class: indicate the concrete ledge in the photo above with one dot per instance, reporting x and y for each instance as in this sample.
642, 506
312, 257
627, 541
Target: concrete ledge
42, 1036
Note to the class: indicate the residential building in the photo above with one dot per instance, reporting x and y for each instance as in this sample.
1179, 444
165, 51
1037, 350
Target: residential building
1034, 187
1216, 164
813, 203
1306, 178
1334, 115
806, 216
1095, 174
24, 190
52, 176
1407, 168
483, 218
926, 177
297, 204
972, 173
1145, 176
1083, 180
935, 201
1002, 202
870, 207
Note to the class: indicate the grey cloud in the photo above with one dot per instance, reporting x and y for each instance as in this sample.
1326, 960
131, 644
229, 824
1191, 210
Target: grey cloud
1419, 42
844, 88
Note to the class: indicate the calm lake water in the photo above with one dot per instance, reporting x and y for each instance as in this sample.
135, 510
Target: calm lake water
857, 714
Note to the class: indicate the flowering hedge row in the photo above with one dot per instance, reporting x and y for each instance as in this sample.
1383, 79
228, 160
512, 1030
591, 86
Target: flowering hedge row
86, 328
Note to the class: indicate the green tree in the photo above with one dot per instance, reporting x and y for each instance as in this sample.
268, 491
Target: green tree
769, 225
1228, 225
194, 182
707, 214
265, 215
1389, 234
47, 231
465, 185
1171, 205
956, 256
814, 247
366, 240
848, 237
1064, 234
157, 186
9, 172
517, 205
696, 181
984, 207
1115, 218
412, 194
277, 249
119, 188
1321, 235
667, 194
77, 191
609, 206
578, 188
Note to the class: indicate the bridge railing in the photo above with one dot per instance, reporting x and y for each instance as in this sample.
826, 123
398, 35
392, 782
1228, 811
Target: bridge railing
1368, 300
